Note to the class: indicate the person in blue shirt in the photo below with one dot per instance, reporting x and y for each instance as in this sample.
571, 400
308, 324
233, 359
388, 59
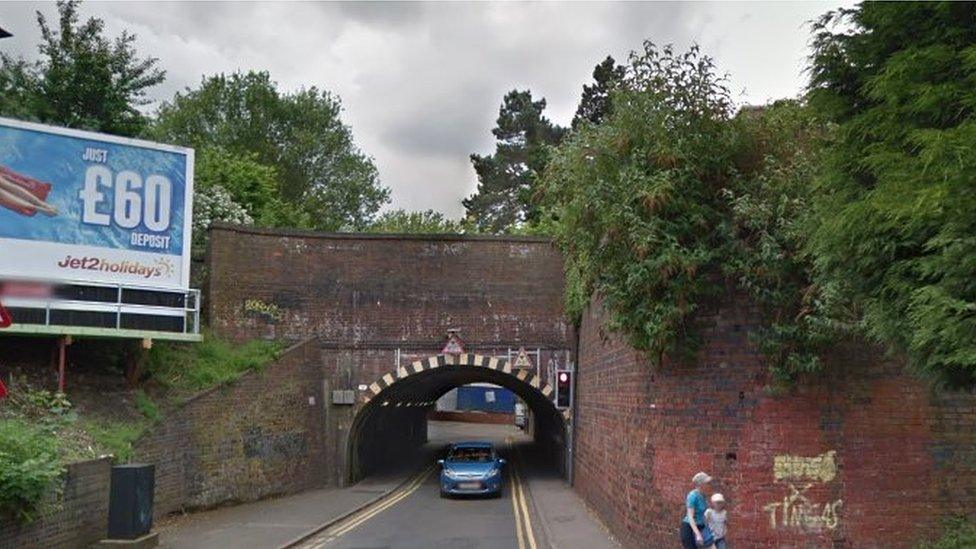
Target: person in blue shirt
695, 505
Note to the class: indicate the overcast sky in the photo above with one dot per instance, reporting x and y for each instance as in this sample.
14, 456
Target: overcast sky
421, 83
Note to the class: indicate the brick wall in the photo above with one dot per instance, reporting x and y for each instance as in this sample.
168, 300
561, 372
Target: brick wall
864, 456
387, 289
259, 436
76, 518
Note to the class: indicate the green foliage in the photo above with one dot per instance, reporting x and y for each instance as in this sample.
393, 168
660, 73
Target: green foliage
959, 534
210, 204
147, 407
29, 467
211, 362
638, 200
770, 204
507, 179
425, 222
595, 103
83, 79
250, 183
895, 209
672, 197
322, 180
115, 437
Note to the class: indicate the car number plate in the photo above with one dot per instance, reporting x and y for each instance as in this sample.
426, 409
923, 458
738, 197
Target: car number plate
469, 485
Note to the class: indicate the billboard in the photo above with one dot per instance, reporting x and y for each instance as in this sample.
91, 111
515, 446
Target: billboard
89, 207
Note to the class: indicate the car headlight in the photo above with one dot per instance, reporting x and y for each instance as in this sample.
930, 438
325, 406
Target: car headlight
450, 474
494, 472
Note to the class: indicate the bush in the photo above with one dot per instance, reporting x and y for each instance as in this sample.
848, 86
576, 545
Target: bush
672, 197
29, 466
895, 207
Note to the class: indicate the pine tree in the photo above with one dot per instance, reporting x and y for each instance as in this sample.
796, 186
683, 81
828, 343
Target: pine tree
507, 179
595, 103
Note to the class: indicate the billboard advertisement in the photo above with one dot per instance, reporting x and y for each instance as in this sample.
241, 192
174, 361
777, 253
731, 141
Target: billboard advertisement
89, 207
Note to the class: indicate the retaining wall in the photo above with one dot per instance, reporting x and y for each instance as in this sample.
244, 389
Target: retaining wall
259, 436
862, 456
77, 517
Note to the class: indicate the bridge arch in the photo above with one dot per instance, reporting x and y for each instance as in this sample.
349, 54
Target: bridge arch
392, 413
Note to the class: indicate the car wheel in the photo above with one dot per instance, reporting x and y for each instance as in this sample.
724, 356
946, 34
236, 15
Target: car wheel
444, 494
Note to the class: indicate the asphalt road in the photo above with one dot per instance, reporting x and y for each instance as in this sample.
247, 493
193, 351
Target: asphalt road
416, 517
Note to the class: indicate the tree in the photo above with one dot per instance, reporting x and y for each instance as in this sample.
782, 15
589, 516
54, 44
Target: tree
249, 183
320, 173
896, 208
83, 79
507, 179
638, 200
214, 203
425, 222
672, 198
595, 103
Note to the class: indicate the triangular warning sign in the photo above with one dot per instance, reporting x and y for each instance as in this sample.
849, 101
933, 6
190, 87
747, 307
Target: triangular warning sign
522, 360
454, 345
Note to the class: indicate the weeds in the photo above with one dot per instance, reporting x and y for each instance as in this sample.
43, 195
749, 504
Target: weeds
29, 465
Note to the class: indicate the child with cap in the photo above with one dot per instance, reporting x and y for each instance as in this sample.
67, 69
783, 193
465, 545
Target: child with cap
715, 520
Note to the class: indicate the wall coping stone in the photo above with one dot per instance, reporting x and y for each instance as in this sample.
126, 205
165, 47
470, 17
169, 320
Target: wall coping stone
452, 237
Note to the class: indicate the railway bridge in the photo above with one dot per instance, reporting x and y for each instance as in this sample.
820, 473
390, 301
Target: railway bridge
377, 311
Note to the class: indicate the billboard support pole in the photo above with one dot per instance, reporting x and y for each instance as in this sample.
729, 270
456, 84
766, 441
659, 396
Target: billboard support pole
62, 343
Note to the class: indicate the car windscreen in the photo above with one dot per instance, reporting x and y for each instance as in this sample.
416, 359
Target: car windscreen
470, 454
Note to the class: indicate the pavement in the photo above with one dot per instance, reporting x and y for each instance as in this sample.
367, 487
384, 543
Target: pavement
410, 513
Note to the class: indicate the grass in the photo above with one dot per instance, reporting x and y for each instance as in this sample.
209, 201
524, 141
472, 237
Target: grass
147, 407
115, 437
211, 362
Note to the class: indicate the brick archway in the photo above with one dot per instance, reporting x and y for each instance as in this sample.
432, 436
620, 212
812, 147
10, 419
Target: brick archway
391, 413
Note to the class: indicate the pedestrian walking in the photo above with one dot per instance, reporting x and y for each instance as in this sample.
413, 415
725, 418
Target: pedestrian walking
715, 520
694, 534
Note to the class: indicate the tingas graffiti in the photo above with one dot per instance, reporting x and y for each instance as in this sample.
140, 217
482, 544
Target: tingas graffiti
797, 511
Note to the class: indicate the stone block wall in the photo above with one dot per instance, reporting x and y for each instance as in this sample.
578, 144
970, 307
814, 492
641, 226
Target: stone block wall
863, 456
76, 518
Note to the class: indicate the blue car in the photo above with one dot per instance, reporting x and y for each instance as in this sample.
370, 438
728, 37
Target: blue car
471, 468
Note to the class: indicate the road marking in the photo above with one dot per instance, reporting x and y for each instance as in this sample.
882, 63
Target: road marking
529, 533
523, 522
515, 508
350, 523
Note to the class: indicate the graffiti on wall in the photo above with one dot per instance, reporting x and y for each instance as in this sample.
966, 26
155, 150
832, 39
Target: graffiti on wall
262, 308
797, 509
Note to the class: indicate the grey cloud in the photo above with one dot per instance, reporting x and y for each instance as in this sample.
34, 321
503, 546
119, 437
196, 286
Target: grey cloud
421, 82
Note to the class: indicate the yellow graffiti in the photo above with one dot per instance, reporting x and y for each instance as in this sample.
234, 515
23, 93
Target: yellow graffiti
820, 468
797, 511
258, 306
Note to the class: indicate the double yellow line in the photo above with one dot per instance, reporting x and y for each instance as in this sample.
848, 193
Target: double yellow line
352, 522
523, 521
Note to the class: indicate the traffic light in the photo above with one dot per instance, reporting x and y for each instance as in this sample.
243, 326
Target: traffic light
564, 388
